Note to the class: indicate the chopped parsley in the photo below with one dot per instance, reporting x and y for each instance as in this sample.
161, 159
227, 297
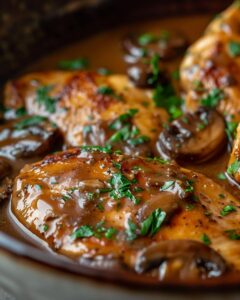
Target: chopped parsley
189, 188
45, 227
205, 239
123, 118
227, 210
83, 232
234, 48
154, 63
106, 149
74, 64
31, 121
221, 176
232, 234
110, 233
21, 111
151, 225
147, 38
131, 230
121, 188
234, 167
105, 90
43, 98
165, 97
167, 185
231, 129
213, 98
189, 207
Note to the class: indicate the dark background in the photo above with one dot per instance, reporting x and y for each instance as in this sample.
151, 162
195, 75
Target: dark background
31, 28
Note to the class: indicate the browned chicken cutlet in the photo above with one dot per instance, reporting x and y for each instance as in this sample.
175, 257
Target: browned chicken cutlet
210, 76
91, 203
91, 109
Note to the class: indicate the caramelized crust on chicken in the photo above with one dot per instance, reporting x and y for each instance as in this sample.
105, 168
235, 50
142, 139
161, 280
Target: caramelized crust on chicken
210, 71
91, 109
131, 211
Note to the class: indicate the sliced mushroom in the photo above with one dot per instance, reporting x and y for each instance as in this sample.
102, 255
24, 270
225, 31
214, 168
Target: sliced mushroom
167, 45
23, 138
141, 74
182, 259
195, 136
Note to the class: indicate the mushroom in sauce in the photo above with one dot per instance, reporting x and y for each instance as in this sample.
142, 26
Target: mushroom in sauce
28, 137
184, 259
195, 136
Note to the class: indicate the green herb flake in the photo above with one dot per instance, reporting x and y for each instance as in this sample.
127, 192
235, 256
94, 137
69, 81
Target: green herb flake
20, 112
167, 185
234, 48
105, 90
152, 223
147, 38
43, 98
189, 188
189, 207
227, 210
231, 128
83, 232
45, 227
234, 167
232, 234
213, 98
74, 64
131, 230
222, 196
111, 233
106, 149
31, 121
221, 176
205, 239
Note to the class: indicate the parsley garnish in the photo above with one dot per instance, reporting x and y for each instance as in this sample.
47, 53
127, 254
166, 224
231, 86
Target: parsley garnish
152, 224
205, 239
234, 167
221, 176
155, 69
110, 233
106, 149
232, 234
21, 111
131, 230
122, 119
121, 188
227, 210
165, 97
43, 98
31, 121
74, 64
231, 129
167, 185
234, 48
147, 38
45, 227
83, 232
213, 98
105, 90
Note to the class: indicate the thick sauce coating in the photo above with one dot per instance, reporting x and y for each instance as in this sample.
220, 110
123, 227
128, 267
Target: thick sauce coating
89, 204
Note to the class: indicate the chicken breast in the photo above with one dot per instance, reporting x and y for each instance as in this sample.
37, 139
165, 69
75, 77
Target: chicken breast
210, 76
92, 204
210, 70
91, 109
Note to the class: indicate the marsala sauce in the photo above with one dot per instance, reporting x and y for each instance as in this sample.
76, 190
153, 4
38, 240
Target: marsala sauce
104, 50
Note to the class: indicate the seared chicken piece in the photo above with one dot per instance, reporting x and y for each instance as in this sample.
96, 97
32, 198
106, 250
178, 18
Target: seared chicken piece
210, 75
94, 205
210, 71
91, 109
